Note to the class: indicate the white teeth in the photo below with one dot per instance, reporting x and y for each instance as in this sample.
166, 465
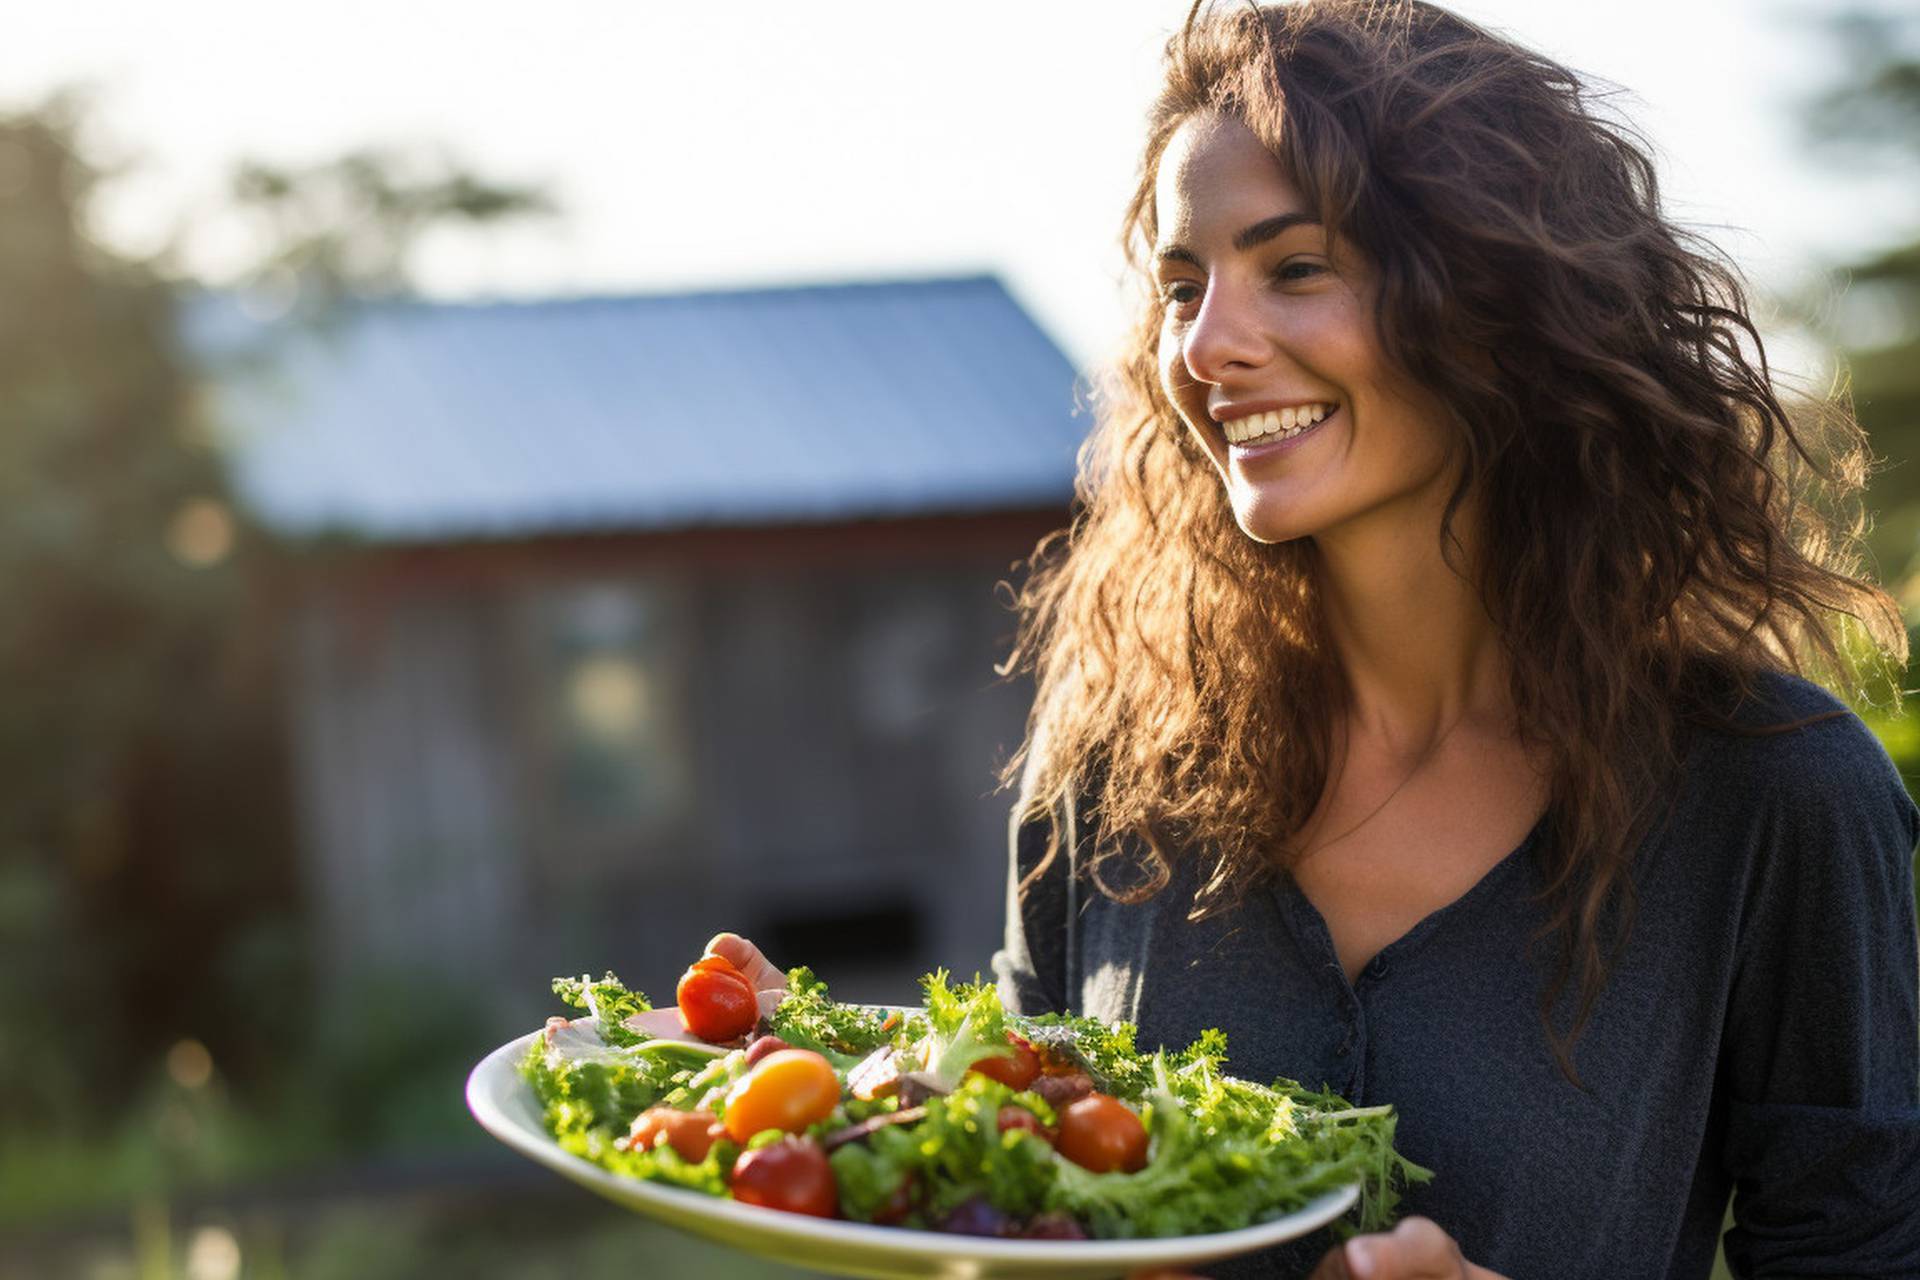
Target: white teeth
1285, 423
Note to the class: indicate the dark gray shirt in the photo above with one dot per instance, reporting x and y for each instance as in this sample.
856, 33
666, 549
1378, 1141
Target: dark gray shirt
1757, 1037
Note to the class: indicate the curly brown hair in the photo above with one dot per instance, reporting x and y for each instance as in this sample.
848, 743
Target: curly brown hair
1657, 530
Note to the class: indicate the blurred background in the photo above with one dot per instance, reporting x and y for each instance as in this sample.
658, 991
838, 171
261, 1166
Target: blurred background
497, 492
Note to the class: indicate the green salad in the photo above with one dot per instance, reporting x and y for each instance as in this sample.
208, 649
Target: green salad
956, 1116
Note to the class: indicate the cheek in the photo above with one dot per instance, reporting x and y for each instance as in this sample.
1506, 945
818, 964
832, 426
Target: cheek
1170, 365
1176, 380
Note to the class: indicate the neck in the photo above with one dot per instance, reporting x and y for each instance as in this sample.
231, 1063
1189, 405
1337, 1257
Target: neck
1418, 651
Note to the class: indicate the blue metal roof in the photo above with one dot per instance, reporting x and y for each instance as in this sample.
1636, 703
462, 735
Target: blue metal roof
426, 422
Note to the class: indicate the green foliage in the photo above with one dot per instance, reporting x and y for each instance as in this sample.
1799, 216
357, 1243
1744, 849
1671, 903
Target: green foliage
383, 1066
134, 679
810, 1019
148, 890
1875, 110
347, 228
545, 1230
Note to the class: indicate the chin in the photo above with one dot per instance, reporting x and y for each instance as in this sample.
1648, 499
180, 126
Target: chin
1267, 526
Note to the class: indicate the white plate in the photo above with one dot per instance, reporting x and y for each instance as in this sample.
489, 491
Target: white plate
505, 1106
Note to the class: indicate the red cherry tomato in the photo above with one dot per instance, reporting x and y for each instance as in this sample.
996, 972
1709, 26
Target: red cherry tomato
1017, 1070
716, 1001
788, 1089
691, 1133
791, 1174
1012, 1117
899, 1202
1103, 1134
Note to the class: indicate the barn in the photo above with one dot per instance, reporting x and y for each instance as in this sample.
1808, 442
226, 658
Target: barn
617, 621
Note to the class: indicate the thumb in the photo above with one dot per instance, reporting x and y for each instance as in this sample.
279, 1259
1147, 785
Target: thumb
746, 957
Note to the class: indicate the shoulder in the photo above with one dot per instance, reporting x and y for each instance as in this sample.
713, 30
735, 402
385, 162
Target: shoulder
1789, 738
1799, 791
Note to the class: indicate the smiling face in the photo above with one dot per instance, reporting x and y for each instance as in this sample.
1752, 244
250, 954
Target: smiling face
1268, 349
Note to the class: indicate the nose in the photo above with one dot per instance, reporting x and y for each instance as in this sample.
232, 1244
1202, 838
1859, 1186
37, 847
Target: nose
1224, 337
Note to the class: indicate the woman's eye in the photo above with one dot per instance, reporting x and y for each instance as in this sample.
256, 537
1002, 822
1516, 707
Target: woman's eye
1297, 270
1180, 293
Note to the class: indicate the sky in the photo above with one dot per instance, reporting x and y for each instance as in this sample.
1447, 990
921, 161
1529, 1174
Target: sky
695, 146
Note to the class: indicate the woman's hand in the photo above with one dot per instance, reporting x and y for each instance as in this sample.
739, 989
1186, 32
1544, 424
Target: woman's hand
1417, 1249
767, 978
1414, 1250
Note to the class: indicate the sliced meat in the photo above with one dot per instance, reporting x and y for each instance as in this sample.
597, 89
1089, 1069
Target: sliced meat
1061, 1089
876, 1076
665, 1024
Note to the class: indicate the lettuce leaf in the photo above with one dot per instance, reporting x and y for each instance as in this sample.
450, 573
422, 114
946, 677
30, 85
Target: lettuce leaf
808, 1018
957, 1153
586, 1084
965, 1023
1228, 1153
609, 1001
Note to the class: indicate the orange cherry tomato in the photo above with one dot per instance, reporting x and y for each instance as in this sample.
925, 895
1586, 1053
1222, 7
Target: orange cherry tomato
1017, 1070
791, 1174
716, 1001
691, 1133
788, 1090
1103, 1134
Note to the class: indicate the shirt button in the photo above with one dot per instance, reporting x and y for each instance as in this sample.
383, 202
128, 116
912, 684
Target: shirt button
1377, 969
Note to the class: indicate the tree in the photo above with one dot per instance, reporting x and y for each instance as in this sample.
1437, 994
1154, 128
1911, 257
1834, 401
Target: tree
348, 228
117, 559
146, 878
1875, 115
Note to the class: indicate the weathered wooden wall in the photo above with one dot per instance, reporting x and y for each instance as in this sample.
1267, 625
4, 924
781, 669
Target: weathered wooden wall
842, 724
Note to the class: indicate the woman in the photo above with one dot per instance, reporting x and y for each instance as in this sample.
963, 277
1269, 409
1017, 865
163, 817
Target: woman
1420, 690
1419, 686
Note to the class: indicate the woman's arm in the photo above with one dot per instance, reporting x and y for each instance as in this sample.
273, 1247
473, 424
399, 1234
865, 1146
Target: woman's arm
1031, 965
1821, 1050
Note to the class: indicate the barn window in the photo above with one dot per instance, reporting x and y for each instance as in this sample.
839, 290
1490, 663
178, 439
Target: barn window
616, 759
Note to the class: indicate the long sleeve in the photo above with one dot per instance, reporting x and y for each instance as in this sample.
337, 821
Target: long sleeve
1821, 1055
1031, 965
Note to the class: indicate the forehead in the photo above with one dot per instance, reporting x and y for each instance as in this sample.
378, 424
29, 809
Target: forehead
1215, 177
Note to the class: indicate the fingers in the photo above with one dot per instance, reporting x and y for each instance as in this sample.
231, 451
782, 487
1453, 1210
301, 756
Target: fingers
1416, 1249
746, 957
1332, 1267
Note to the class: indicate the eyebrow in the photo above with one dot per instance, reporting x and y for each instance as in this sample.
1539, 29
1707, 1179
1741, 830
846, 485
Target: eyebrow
1257, 234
